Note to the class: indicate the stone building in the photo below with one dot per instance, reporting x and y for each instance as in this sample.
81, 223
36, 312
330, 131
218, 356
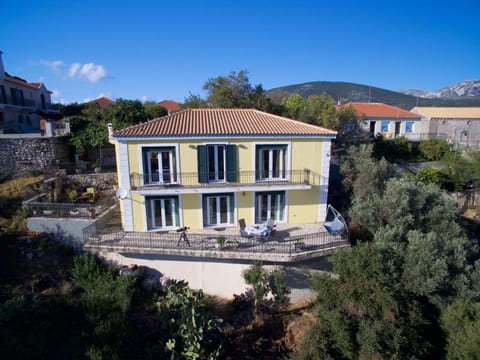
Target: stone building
457, 125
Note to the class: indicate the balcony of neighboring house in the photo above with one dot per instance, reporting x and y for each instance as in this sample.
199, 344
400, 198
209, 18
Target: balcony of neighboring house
7, 101
287, 243
237, 180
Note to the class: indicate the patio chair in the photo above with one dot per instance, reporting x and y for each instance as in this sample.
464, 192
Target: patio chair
337, 226
243, 232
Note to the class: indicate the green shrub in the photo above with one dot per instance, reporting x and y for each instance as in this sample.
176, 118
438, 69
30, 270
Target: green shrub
433, 149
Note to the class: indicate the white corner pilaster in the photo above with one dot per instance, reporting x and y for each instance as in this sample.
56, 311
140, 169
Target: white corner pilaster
124, 183
324, 178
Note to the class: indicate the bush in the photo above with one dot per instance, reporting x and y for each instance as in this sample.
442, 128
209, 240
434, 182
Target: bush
432, 175
433, 149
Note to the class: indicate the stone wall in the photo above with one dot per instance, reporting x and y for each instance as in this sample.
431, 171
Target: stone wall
20, 154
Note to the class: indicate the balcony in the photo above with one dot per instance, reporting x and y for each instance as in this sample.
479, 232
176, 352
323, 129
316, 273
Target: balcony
301, 179
289, 243
9, 101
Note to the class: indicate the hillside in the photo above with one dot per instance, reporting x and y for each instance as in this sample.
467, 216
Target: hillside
345, 91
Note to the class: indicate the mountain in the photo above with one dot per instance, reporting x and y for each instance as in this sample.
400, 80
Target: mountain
467, 88
345, 91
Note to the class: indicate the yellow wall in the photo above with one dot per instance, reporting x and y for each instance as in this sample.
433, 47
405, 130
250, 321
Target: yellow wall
303, 205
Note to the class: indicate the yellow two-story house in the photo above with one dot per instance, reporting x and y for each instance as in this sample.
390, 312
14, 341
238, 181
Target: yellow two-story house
209, 168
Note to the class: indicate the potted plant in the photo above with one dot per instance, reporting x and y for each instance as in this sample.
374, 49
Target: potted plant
219, 242
96, 167
74, 212
73, 195
48, 211
78, 169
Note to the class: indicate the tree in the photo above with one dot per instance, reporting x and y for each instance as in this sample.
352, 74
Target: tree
235, 91
433, 149
363, 176
420, 225
124, 113
153, 110
320, 110
193, 101
364, 313
294, 106
461, 322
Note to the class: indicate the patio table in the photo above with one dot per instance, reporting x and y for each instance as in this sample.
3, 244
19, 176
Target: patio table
257, 231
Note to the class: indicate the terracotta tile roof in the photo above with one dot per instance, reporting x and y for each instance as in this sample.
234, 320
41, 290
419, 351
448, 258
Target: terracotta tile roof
22, 82
102, 102
380, 110
170, 105
222, 122
448, 112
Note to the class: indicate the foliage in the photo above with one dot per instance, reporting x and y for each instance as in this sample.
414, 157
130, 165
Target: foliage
432, 175
417, 223
279, 288
235, 91
263, 282
395, 151
463, 168
193, 101
316, 109
153, 110
364, 313
461, 322
257, 277
106, 299
433, 149
189, 331
363, 175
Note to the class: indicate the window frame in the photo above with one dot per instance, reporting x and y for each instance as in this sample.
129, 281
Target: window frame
145, 163
280, 196
150, 210
284, 168
207, 210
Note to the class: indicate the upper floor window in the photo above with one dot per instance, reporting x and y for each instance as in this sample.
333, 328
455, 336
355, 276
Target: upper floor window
217, 162
17, 97
271, 161
159, 165
42, 99
3, 95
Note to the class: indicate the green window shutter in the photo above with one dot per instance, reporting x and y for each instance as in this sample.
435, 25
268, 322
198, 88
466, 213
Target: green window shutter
202, 163
232, 163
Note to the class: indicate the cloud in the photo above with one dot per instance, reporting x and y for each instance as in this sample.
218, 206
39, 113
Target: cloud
56, 93
55, 66
91, 72
145, 99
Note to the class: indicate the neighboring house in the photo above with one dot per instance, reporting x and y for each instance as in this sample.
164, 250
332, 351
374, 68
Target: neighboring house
388, 121
102, 101
458, 125
22, 104
207, 168
170, 105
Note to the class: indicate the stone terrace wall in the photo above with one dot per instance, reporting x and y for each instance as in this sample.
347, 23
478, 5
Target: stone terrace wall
20, 154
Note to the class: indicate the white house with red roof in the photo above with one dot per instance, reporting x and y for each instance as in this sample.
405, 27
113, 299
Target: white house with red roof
22, 104
388, 121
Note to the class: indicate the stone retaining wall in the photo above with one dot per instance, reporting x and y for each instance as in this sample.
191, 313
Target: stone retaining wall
21, 154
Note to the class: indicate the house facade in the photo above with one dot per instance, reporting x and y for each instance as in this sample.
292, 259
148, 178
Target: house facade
209, 168
22, 104
457, 125
388, 121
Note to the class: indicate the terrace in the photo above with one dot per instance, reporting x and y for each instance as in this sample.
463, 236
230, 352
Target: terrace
289, 243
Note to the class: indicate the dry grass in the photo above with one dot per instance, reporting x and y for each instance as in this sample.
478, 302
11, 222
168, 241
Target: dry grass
19, 187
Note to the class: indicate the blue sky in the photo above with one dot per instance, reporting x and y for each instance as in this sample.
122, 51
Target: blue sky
157, 50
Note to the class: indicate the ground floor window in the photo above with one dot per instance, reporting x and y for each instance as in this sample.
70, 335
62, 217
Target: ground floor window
162, 212
409, 126
385, 126
269, 205
218, 209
